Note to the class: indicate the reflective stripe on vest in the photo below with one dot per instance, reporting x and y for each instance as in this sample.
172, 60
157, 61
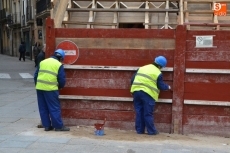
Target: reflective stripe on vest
47, 75
146, 80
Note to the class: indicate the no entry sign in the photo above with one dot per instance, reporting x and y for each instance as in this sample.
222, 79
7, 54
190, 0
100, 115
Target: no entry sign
71, 51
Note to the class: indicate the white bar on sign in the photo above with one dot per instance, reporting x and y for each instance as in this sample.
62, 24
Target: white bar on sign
26, 75
4, 76
70, 52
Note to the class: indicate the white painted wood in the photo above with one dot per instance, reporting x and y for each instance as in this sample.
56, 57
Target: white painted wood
26, 75
106, 98
205, 102
100, 67
4, 76
218, 71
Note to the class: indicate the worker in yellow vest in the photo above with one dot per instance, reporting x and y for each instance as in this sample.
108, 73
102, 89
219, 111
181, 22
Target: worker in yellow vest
146, 85
49, 78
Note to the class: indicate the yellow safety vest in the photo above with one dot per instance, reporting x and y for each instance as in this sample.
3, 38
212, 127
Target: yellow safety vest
146, 80
47, 75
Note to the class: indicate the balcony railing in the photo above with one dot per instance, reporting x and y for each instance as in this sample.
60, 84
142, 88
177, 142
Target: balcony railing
2, 14
14, 19
29, 13
42, 5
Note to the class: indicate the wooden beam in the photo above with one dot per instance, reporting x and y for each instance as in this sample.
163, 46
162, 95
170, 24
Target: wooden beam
99, 67
104, 98
206, 1
213, 71
86, 23
206, 102
121, 10
207, 24
59, 12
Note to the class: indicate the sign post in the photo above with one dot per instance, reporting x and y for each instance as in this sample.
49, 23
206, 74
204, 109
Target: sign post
71, 51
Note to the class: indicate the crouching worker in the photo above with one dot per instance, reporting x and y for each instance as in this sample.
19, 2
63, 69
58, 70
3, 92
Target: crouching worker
49, 78
146, 86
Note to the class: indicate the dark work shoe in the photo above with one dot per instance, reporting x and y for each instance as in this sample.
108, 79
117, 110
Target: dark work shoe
49, 128
156, 133
63, 129
40, 126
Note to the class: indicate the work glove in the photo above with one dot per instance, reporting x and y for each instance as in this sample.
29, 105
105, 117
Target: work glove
170, 88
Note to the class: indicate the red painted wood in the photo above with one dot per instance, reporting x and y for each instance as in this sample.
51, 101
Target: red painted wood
121, 57
178, 84
215, 56
189, 86
206, 96
207, 129
105, 92
114, 33
50, 37
107, 74
218, 35
207, 78
219, 45
206, 110
110, 115
207, 91
126, 125
207, 87
208, 65
200, 120
111, 105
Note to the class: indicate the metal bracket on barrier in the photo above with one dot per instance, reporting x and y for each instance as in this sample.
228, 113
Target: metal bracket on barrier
206, 102
218, 71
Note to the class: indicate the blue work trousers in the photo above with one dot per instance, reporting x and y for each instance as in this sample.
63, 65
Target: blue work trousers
49, 108
144, 106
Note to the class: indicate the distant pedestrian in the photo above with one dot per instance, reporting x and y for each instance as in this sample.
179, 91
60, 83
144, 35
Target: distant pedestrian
36, 51
22, 51
146, 86
49, 78
41, 56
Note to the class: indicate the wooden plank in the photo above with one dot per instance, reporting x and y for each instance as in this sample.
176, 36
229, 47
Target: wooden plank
205, 78
215, 56
206, 102
217, 45
158, 10
120, 43
222, 131
209, 24
206, 1
201, 11
211, 110
105, 92
207, 87
125, 125
104, 98
121, 57
115, 68
85, 23
178, 83
212, 71
110, 115
201, 120
114, 33
221, 36
207, 96
50, 37
207, 64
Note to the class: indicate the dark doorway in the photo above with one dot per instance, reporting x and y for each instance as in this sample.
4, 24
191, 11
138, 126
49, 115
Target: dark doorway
131, 25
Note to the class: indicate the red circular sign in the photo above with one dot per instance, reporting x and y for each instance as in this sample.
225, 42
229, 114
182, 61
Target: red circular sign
71, 51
